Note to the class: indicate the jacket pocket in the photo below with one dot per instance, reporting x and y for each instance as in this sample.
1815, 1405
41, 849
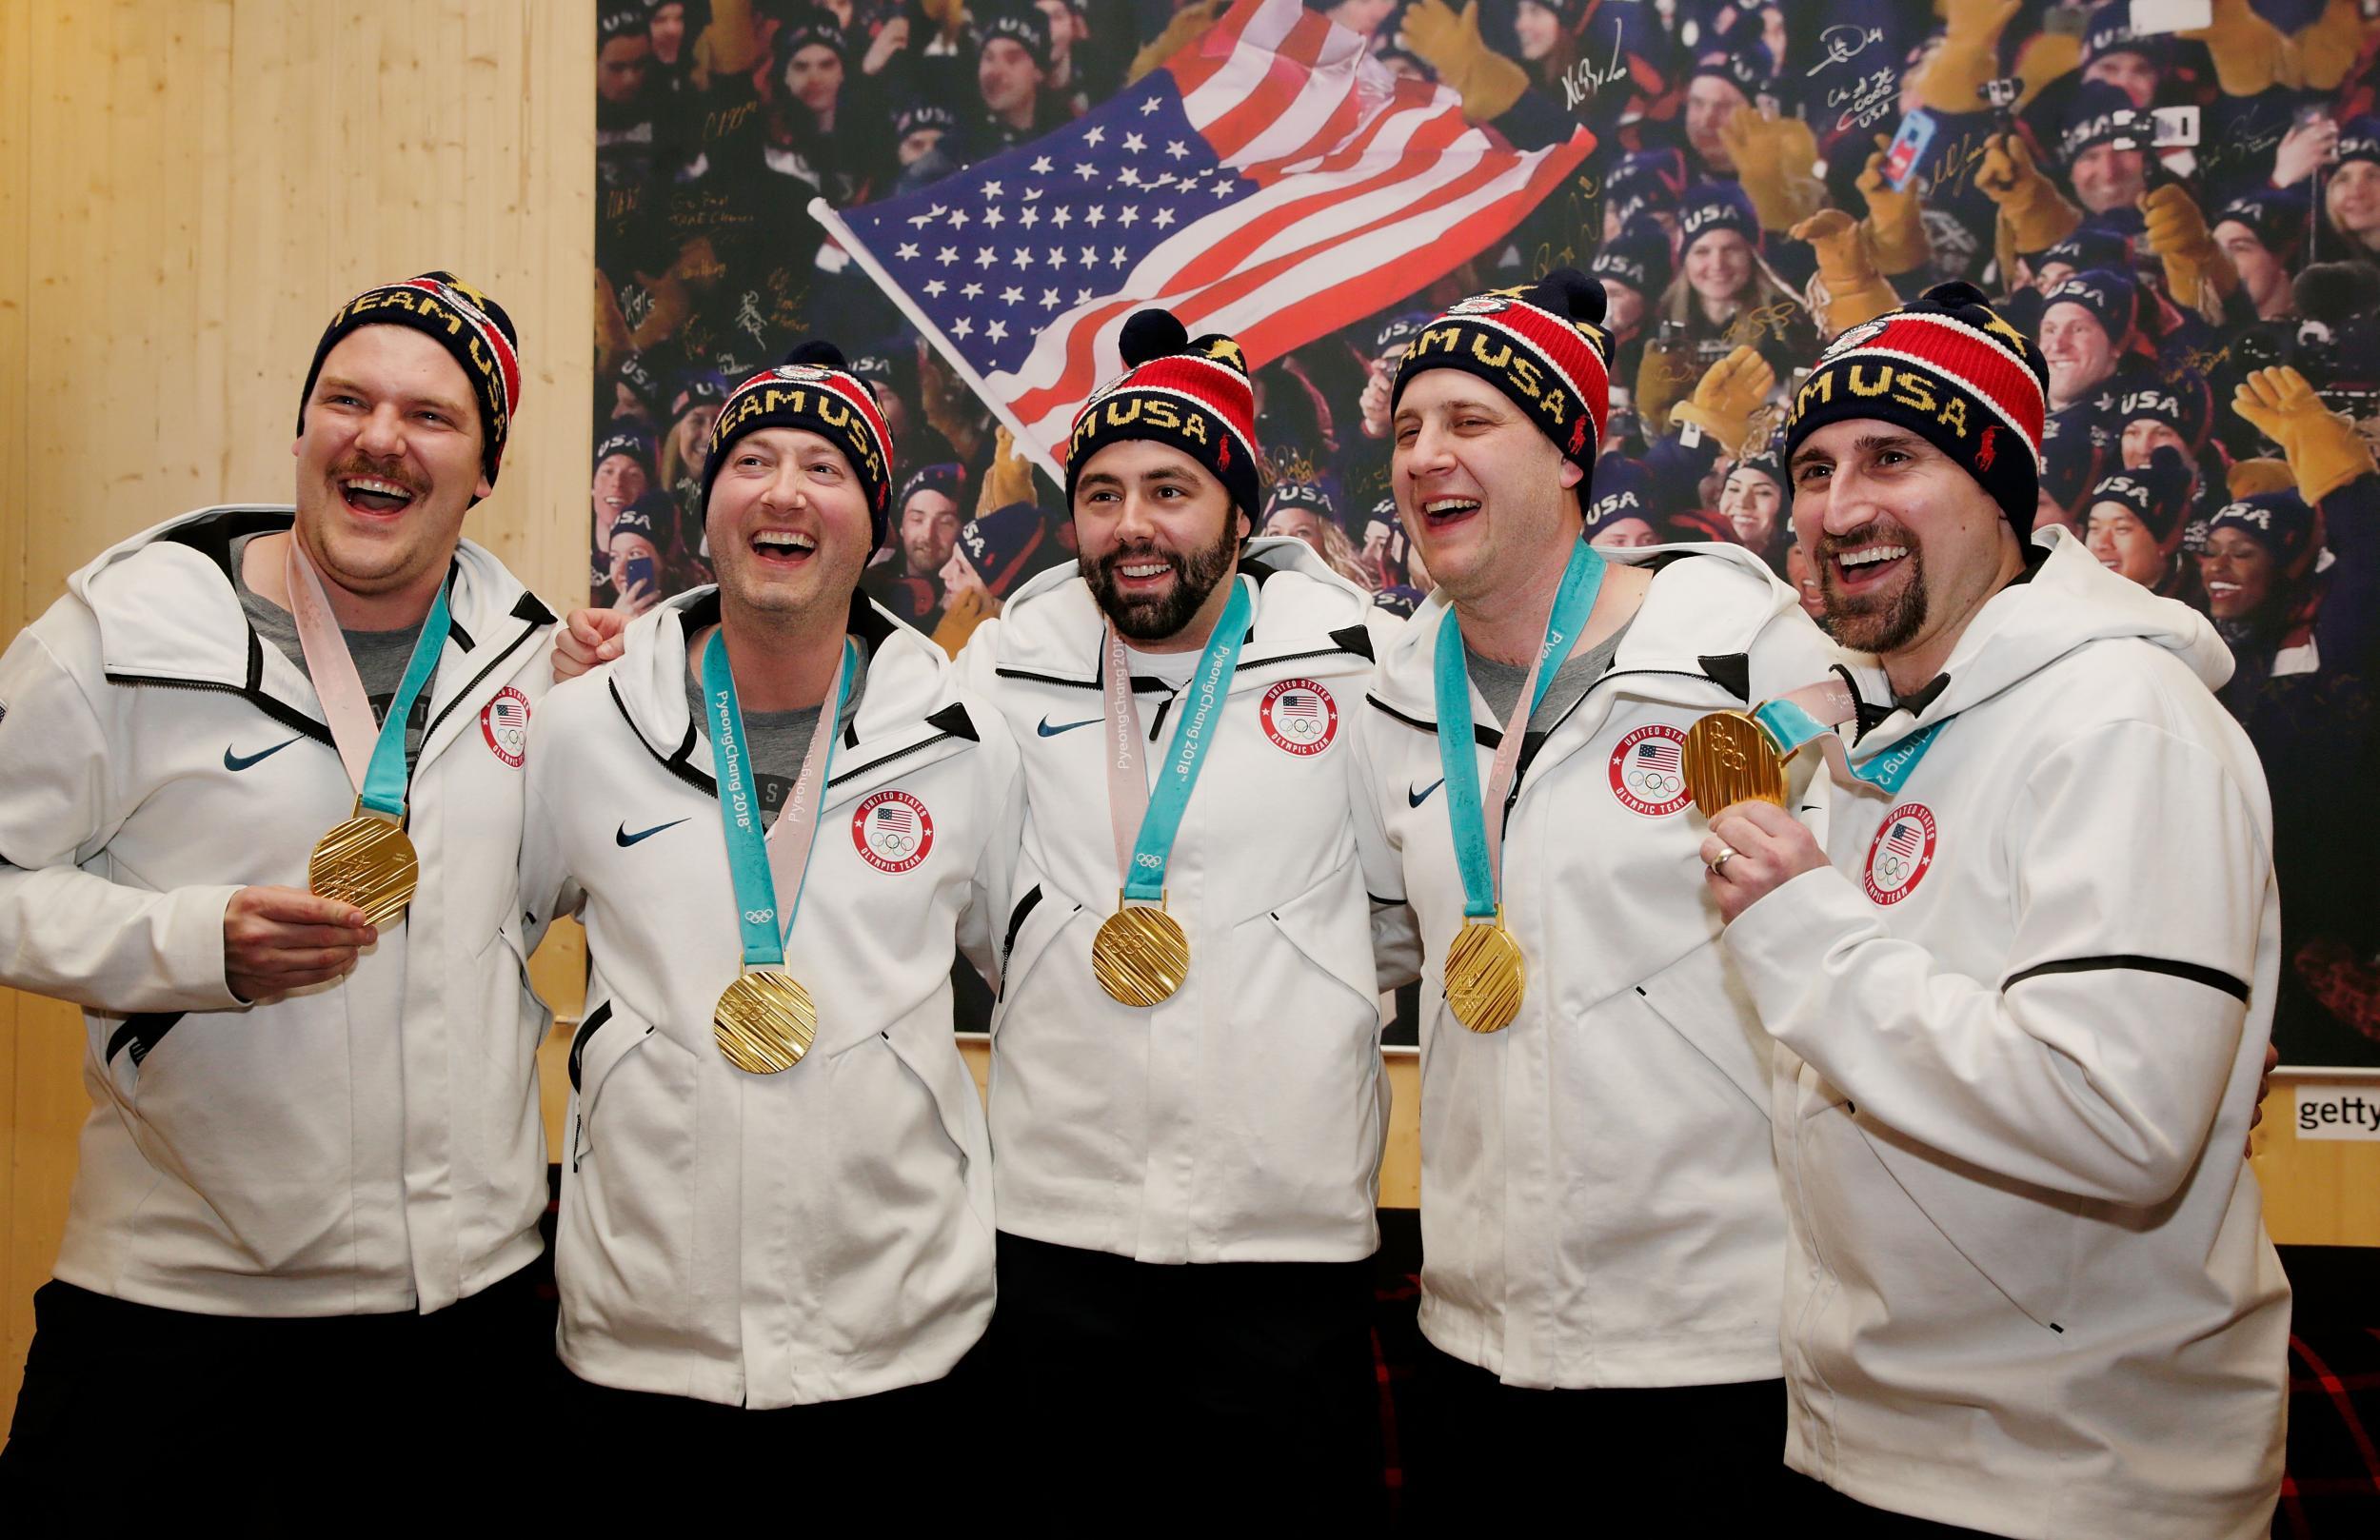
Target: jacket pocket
1912, 1226
1036, 920
626, 1231
1701, 997
1330, 926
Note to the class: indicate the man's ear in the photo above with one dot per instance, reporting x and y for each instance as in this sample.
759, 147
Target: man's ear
1572, 473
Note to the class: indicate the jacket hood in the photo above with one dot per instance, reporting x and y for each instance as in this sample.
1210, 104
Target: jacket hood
1052, 625
2069, 601
1673, 632
166, 607
907, 676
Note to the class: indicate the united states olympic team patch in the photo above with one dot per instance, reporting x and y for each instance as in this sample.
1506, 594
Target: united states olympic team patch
1901, 853
505, 722
1649, 771
892, 830
1299, 716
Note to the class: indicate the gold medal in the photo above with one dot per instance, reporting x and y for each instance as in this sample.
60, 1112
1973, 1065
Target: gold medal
1730, 759
1141, 956
369, 862
765, 1021
1485, 974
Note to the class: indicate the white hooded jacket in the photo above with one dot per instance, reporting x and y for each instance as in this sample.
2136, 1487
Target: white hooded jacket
2022, 1019
1242, 1119
1599, 1200
825, 1232
367, 1146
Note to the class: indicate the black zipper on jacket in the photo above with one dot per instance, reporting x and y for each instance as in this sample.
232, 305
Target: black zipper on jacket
586, 1030
296, 721
288, 716
541, 616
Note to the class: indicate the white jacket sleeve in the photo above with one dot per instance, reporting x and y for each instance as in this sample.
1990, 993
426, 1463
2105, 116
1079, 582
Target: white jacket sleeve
990, 891
69, 932
1396, 931
548, 890
2095, 1063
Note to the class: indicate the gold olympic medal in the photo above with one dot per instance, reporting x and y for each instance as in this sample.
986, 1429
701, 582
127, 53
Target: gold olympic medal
369, 862
1141, 956
1485, 974
765, 1021
1730, 759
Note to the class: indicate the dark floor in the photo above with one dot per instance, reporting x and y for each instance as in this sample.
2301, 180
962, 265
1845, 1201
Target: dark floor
2332, 1489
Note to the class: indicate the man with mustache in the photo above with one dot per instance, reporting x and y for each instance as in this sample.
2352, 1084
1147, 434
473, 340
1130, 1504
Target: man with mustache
1187, 1149
2029, 1289
310, 1185
1602, 1241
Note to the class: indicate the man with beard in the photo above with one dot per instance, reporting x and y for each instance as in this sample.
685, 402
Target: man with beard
1187, 1098
776, 1213
308, 1189
1602, 1240
2029, 1289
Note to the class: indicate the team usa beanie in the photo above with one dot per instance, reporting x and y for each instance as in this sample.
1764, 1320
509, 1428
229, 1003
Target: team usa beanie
1191, 396
1949, 370
813, 390
2157, 495
1543, 344
460, 319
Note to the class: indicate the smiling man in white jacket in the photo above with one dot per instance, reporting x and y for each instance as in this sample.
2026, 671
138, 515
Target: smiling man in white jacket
310, 1179
1602, 1242
776, 1231
2029, 1292
1186, 1179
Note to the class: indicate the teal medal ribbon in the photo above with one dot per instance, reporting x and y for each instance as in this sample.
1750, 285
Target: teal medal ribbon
1789, 726
1152, 842
764, 931
1478, 846
384, 786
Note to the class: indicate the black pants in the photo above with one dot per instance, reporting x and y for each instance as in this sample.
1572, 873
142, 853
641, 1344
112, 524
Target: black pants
1180, 1397
1660, 1461
907, 1446
1818, 1508
132, 1411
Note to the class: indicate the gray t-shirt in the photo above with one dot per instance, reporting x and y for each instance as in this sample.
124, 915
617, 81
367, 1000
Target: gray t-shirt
775, 741
379, 656
1499, 683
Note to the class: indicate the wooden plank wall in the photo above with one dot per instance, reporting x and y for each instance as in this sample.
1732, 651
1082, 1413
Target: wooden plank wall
187, 188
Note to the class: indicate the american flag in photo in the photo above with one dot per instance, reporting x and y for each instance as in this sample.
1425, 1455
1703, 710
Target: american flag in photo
1659, 754
895, 817
1271, 181
1903, 839
1298, 703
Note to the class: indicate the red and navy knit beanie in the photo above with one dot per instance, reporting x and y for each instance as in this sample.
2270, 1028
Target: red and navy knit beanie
459, 318
812, 389
1541, 345
1949, 370
1191, 396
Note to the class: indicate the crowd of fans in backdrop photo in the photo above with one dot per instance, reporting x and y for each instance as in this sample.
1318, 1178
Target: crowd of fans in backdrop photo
2179, 200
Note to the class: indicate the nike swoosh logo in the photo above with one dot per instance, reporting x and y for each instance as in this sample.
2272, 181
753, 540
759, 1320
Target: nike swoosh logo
1047, 730
1417, 798
241, 762
625, 839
